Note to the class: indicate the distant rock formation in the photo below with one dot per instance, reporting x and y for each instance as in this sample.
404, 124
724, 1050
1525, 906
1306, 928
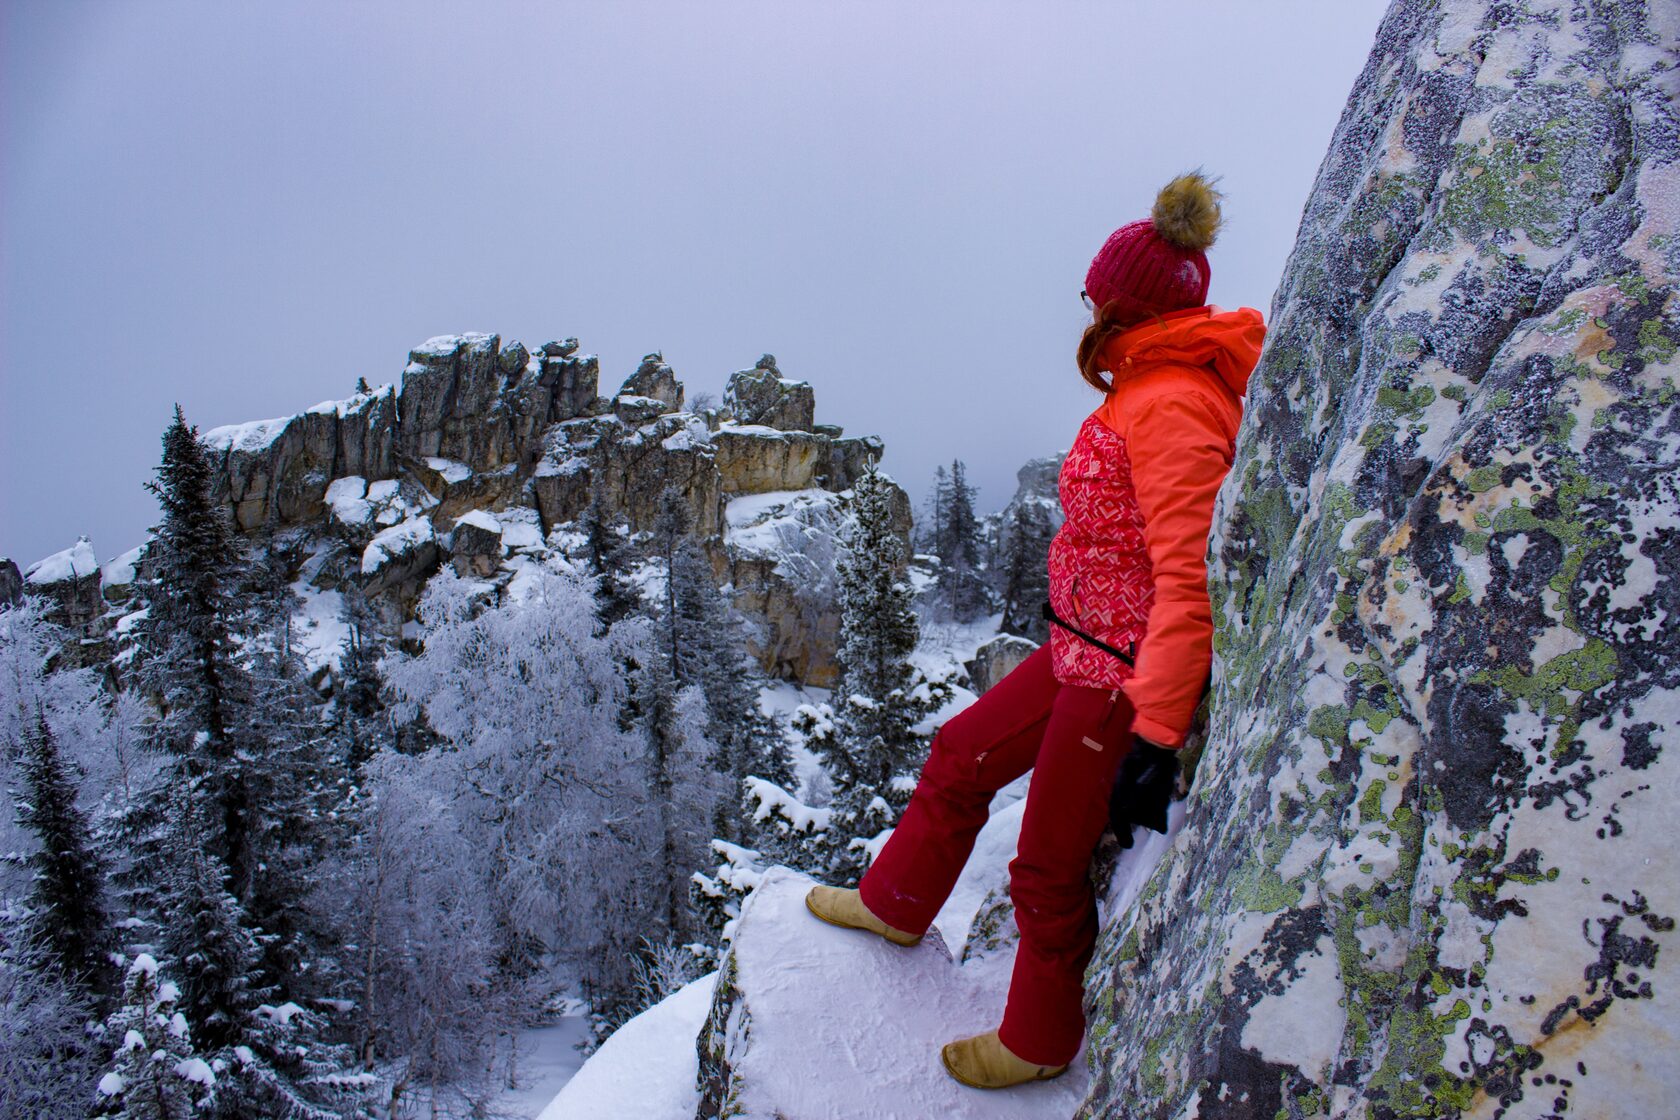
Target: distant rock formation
482, 452
1429, 869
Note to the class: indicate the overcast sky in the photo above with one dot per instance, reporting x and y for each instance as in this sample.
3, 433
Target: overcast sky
245, 207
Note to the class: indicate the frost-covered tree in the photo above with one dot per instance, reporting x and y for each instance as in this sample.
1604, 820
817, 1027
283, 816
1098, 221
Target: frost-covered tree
411, 896
48, 1061
548, 789
67, 922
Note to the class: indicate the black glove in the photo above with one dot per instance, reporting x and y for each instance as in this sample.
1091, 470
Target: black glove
1143, 788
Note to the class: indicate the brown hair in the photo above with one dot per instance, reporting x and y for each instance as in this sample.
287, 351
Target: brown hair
1112, 318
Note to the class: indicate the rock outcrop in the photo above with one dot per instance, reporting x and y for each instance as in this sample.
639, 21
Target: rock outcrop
996, 659
1428, 868
11, 583
809, 1021
69, 583
482, 451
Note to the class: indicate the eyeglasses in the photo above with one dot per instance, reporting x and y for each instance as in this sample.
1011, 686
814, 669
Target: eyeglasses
1089, 306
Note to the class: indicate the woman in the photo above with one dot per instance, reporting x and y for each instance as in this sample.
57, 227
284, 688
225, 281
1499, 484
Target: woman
1130, 650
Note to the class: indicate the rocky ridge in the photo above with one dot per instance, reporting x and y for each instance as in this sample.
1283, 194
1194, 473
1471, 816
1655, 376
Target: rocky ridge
483, 456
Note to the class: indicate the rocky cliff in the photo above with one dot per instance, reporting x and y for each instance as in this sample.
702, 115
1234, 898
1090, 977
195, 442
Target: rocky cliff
1428, 867
483, 456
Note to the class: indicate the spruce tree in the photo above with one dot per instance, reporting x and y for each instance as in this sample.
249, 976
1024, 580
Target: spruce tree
872, 750
1026, 571
607, 554
706, 647
962, 584
263, 1046
248, 759
67, 922
188, 650
357, 707
934, 536
155, 1073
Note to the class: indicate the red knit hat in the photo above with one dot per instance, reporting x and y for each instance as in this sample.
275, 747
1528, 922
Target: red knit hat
1158, 265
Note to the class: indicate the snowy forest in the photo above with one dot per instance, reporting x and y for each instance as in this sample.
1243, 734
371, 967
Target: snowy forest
346, 892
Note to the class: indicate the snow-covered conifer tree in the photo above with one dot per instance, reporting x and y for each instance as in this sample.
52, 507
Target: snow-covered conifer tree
236, 724
870, 748
358, 711
705, 646
261, 1049
155, 1073
606, 551
931, 533
67, 920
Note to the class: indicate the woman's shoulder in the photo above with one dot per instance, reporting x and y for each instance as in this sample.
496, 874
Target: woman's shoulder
1131, 397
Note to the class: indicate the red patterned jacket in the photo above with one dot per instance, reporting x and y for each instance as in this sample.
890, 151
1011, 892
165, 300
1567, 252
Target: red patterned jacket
1137, 489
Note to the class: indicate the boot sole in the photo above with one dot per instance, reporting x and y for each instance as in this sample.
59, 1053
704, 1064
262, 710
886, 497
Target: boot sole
946, 1062
864, 929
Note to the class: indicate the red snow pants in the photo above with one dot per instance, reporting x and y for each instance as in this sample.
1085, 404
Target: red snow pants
1073, 737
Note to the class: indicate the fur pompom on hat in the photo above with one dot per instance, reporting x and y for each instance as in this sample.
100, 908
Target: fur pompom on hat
1159, 264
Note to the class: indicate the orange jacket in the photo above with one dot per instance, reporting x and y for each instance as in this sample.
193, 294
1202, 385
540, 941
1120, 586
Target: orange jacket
1132, 567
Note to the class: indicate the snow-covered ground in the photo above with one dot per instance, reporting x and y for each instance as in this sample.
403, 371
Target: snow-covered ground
548, 1059
646, 1070
843, 1024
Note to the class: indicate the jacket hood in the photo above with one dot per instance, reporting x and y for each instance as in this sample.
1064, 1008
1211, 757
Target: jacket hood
1226, 342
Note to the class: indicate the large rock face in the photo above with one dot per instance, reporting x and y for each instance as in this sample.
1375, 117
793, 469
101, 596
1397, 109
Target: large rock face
1428, 868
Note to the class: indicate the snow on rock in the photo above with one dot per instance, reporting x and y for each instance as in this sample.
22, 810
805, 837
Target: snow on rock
74, 562
646, 1070
449, 470
347, 500
319, 628
810, 1021
350, 406
521, 527
120, 571
399, 540
252, 435
480, 519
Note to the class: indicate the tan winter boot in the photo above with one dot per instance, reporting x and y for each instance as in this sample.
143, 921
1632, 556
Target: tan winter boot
984, 1062
841, 907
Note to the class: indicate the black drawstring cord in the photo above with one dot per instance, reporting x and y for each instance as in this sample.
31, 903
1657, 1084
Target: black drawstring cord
1050, 614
